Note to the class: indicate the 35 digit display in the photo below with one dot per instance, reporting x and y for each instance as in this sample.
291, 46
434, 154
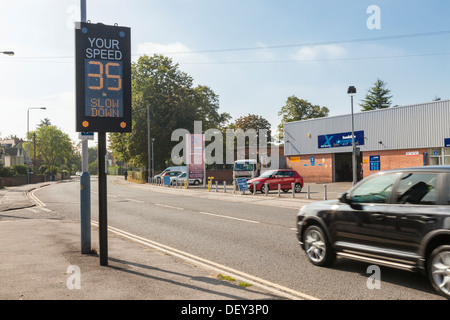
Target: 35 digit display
103, 65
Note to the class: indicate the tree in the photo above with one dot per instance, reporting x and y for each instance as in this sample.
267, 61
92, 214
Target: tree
377, 97
297, 109
174, 103
53, 146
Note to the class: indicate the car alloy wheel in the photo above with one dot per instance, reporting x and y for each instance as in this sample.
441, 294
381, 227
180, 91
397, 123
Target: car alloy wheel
439, 270
298, 188
317, 248
263, 188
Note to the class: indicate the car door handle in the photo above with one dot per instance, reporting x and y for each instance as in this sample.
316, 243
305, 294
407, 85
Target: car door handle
422, 218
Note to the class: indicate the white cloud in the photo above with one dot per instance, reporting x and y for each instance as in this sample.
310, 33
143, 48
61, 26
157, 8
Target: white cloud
321, 52
179, 52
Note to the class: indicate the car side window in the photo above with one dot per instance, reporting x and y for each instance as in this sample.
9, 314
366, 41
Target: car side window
374, 190
418, 188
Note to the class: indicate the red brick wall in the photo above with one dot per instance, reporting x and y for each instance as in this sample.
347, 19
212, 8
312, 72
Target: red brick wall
389, 159
393, 159
322, 171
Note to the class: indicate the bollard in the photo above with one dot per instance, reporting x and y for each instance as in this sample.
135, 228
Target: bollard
266, 189
293, 189
254, 189
210, 179
324, 192
217, 186
279, 189
309, 194
234, 186
225, 186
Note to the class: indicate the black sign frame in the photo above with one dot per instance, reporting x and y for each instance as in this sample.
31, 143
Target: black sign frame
116, 44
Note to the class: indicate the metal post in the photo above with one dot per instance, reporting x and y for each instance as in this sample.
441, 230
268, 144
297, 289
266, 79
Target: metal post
217, 186
102, 200
85, 181
353, 147
266, 189
254, 189
148, 145
225, 186
324, 192
309, 193
293, 189
279, 189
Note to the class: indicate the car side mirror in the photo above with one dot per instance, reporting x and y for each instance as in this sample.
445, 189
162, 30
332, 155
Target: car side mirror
343, 198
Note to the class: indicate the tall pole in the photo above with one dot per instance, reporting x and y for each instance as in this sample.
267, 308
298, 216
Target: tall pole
352, 90
149, 174
85, 180
102, 200
353, 147
28, 140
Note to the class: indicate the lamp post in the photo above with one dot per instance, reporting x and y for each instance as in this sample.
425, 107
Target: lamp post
28, 140
351, 91
153, 160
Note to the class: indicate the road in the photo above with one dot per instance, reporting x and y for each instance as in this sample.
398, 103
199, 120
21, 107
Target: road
258, 240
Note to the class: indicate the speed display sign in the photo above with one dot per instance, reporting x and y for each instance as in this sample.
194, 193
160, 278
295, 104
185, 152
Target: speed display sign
103, 78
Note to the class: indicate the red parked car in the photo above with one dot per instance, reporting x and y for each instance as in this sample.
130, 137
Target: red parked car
283, 177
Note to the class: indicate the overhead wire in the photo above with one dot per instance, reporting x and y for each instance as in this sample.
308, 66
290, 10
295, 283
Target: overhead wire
359, 40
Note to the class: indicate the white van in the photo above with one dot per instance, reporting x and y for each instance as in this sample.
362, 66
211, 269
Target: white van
176, 168
245, 169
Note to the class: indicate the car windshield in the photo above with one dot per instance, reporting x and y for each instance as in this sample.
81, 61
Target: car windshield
245, 166
267, 174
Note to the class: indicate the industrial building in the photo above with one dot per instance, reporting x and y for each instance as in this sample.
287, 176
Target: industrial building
415, 135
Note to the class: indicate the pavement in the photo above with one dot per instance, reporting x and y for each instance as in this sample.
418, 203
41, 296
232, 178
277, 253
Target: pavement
41, 259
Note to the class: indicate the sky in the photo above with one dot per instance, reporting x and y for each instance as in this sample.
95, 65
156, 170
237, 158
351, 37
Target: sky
253, 54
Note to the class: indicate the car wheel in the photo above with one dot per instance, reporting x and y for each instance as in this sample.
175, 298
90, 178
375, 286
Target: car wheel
317, 247
263, 188
196, 182
439, 270
298, 188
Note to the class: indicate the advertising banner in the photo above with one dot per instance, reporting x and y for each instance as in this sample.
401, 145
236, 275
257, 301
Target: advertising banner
343, 139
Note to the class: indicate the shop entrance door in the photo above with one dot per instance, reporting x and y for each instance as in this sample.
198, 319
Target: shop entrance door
342, 165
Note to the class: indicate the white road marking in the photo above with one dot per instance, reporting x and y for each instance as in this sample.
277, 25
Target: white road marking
167, 206
267, 285
228, 217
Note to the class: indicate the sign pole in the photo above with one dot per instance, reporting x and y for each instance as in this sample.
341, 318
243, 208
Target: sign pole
85, 181
102, 200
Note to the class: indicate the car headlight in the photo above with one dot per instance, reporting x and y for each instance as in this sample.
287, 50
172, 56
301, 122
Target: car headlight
256, 182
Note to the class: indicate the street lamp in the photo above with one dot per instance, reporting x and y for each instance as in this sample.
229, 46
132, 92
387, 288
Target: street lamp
351, 91
28, 139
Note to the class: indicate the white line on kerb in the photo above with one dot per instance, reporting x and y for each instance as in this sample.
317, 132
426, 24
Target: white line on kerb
264, 284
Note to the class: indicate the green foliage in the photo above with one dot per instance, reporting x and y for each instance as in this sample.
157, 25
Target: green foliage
377, 97
52, 145
20, 169
6, 171
297, 109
